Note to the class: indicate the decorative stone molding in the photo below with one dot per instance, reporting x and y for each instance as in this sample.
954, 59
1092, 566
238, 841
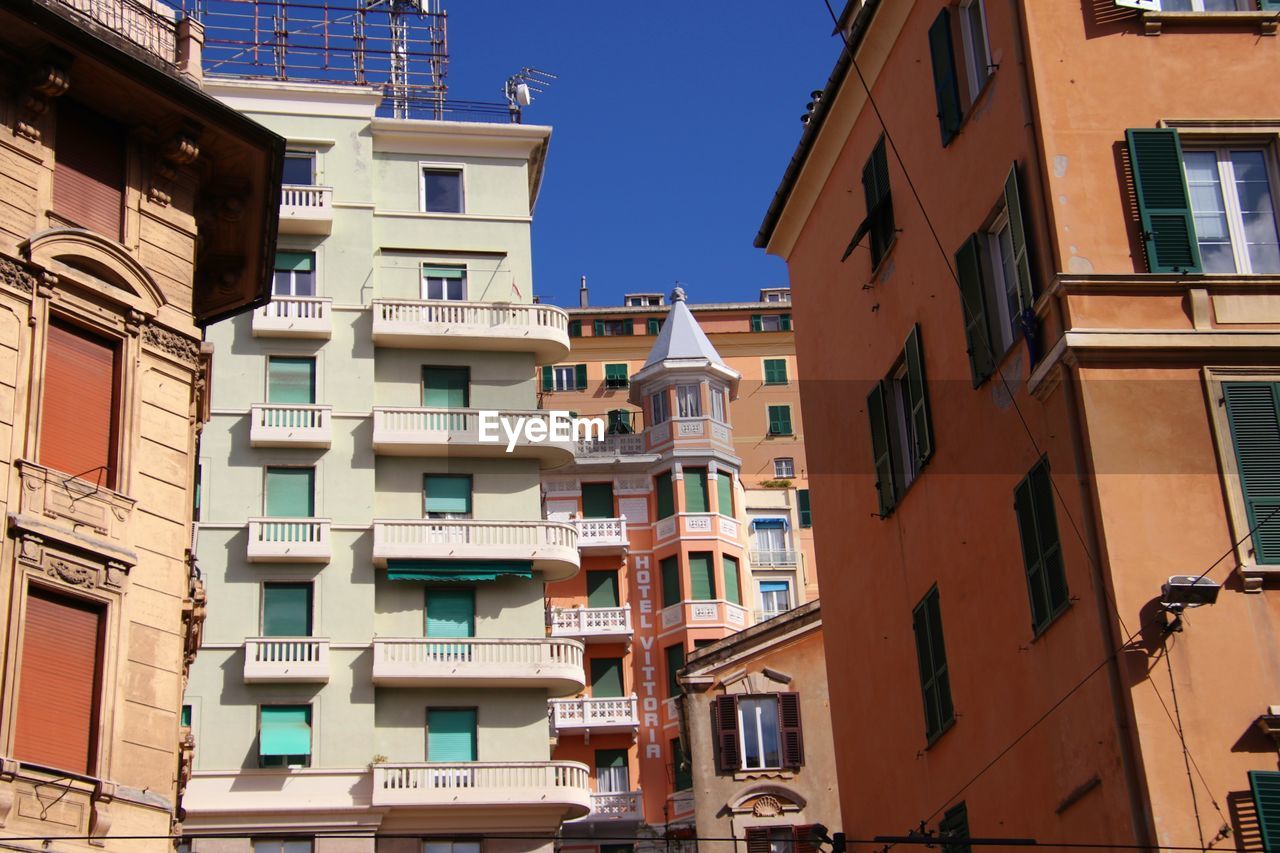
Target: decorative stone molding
16, 275
49, 80
186, 761
100, 818
194, 610
83, 508
72, 574
180, 149
178, 347
46, 284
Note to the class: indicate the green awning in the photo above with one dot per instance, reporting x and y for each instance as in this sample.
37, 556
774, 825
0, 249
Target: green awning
285, 730
454, 570
296, 261
444, 272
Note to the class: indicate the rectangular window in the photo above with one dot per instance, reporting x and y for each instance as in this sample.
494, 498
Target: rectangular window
770, 322
597, 500
1041, 550
702, 583
757, 732
1253, 413
619, 422
78, 424
447, 495
879, 224
946, 89
434, 846
758, 722
695, 490
446, 387
717, 404
931, 656
286, 609
284, 736
282, 845
977, 56
769, 535
451, 735
732, 587
784, 468
295, 274
901, 428
653, 325
602, 589
665, 495
444, 283
780, 420
954, 824
724, 494
185, 719
613, 328
1234, 209
675, 662
643, 300
802, 504
565, 378
451, 612
775, 371
689, 401
442, 190
606, 678
660, 408
299, 169
671, 593
775, 598
291, 381
290, 492
60, 673
615, 376
575, 328
89, 169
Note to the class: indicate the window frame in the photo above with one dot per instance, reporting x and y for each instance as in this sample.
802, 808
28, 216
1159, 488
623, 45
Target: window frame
312, 159
778, 364
458, 168
425, 280
689, 400
659, 407
975, 80
285, 764
789, 580
557, 374
769, 415
293, 278
742, 732
787, 472
1222, 148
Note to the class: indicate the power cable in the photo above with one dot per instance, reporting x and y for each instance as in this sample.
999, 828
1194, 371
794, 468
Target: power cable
1186, 760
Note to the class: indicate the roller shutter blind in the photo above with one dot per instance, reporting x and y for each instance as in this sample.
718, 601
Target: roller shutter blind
702, 583
695, 490
732, 592
290, 492
284, 730
445, 387
1253, 411
451, 734
78, 419
291, 381
451, 613
59, 676
448, 494
89, 173
602, 589
286, 610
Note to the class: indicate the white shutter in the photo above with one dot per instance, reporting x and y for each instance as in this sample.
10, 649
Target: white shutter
1144, 5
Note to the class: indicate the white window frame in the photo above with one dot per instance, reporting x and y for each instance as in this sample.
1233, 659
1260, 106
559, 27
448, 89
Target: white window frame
976, 77
659, 407
602, 777
689, 400
1002, 285
759, 728
774, 320
315, 274
558, 380
426, 166
424, 278
1222, 149
718, 410
766, 613
903, 453
312, 156
784, 472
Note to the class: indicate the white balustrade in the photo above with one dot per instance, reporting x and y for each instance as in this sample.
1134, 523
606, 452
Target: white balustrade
588, 622
294, 317
774, 558
422, 431
289, 540
551, 545
601, 534
443, 324
269, 659
615, 806
306, 209
611, 445
599, 714
274, 425
533, 783
705, 614
479, 661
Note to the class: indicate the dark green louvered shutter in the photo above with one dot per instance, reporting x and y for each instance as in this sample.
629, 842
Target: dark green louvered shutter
602, 589
670, 581
654, 325
597, 500
1041, 548
935, 685
1254, 415
732, 589
775, 371
702, 584
575, 328
1018, 237
597, 328
784, 322
695, 490
802, 503
548, 378
954, 824
757, 324
945, 87
779, 420
580, 376
875, 190
1269, 5
1164, 204
973, 302
918, 397
675, 662
880, 448
628, 326
1266, 799
665, 495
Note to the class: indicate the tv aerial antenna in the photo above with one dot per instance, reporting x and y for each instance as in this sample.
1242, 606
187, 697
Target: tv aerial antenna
523, 85
398, 12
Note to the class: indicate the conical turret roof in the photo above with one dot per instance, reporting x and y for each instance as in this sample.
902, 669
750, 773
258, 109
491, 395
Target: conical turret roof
681, 337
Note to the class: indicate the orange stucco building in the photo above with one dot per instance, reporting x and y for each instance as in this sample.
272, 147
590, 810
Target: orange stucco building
1041, 379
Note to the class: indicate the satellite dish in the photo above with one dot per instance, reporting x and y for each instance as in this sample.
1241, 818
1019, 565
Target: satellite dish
523, 96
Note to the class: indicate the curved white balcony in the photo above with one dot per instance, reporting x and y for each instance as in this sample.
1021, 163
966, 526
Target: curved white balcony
554, 665
286, 659
592, 624
464, 432
289, 540
622, 807
558, 785
294, 317
444, 324
274, 425
601, 535
590, 715
552, 546
306, 209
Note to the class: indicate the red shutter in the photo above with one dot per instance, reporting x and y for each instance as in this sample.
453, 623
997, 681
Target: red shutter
57, 716
805, 842
724, 722
78, 418
758, 839
88, 175
789, 730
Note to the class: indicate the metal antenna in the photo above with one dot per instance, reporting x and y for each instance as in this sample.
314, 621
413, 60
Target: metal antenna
521, 87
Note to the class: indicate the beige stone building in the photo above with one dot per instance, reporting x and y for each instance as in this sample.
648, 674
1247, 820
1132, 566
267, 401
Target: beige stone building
134, 209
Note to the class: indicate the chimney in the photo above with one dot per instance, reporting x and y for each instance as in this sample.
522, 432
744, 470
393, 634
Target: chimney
582, 293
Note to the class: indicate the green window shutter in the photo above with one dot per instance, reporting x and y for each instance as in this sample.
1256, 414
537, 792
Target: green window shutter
1254, 415
597, 328
775, 371
671, 581
1041, 548
918, 397
683, 775
451, 734
695, 490
724, 494
654, 325
702, 584
732, 589
1018, 237
291, 381
665, 496
1269, 6
602, 589
879, 200
779, 420
295, 261
580, 376
447, 493
954, 823
445, 387
675, 662
1266, 801
291, 492
606, 678
628, 326
935, 685
878, 415
284, 730
548, 378
946, 89
286, 610
575, 328
606, 758
1164, 203
597, 500
802, 504
973, 302
619, 422
615, 376
451, 613
757, 324
784, 322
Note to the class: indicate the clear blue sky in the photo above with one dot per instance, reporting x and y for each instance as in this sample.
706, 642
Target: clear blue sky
673, 121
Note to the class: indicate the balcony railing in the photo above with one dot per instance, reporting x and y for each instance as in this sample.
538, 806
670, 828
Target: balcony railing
562, 784
289, 540
294, 317
592, 623
446, 432
602, 535
705, 614
774, 558
553, 664
272, 425
139, 22
597, 715
612, 445
551, 545
306, 209
697, 524
445, 324
623, 806
269, 659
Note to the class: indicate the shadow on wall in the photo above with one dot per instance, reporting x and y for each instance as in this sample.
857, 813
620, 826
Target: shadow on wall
1103, 18
1246, 831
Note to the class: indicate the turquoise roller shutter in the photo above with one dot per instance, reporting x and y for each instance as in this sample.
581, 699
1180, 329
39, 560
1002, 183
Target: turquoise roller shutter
451, 734
448, 493
702, 585
291, 381
284, 730
1254, 415
290, 492
451, 613
295, 261
286, 610
445, 387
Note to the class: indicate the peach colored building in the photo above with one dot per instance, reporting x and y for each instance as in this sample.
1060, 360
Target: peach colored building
1041, 379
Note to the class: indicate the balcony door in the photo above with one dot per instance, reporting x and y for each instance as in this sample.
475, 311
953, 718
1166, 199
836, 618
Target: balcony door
451, 613
602, 589
769, 535
286, 610
611, 772
290, 492
597, 500
606, 678
451, 735
446, 387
